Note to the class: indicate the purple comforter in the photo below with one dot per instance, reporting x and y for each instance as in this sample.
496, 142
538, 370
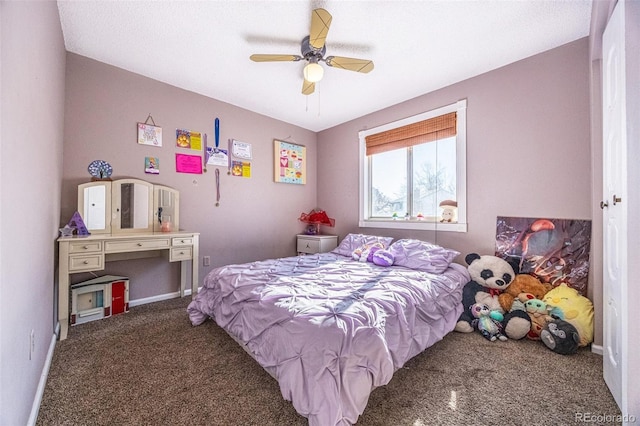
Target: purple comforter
328, 328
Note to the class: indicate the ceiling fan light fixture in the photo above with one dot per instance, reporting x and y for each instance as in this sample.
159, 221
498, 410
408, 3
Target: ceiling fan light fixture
312, 50
313, 72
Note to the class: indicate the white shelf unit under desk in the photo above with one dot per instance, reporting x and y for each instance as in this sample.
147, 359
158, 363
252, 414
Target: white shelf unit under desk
90, 253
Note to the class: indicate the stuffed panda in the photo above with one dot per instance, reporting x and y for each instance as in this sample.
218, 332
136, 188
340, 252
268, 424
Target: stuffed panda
490, 276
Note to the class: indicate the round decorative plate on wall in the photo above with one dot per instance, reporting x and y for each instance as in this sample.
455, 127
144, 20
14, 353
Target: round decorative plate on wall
100, 169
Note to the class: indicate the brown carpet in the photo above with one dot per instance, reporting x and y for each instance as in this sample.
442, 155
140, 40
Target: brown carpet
151, 367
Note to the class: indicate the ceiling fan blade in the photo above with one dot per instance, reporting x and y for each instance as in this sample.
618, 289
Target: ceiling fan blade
320, 23
308, 87
274, 58
351, 64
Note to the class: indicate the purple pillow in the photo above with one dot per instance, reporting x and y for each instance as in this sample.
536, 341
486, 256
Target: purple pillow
422, 256
383, 257
353, 241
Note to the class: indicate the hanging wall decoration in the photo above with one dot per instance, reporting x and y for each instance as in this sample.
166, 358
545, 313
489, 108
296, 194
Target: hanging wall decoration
152, 165
188, 164
241, 168
189, 139
290, 163
215, 155
241, 150
149, 134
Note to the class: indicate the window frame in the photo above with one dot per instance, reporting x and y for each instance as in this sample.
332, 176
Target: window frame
364, 220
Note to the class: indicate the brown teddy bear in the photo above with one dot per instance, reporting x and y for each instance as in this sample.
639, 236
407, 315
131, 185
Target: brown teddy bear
523, 283
525, 293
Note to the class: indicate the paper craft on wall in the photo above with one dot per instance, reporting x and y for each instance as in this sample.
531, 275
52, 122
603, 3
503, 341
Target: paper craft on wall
290, 163
217, 157
152, 165
188, 163
241, 168
188, 139
555, 251
241, 150
149, 134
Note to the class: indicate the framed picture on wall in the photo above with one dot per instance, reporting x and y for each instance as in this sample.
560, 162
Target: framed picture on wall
149, 134
290, 162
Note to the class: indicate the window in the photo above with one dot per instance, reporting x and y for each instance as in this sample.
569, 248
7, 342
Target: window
408, 168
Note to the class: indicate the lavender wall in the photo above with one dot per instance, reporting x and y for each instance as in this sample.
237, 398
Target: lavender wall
32, 88
256, 219
528, 149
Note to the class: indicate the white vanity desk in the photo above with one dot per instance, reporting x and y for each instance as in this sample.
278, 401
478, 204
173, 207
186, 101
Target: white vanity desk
89, 254
128, 219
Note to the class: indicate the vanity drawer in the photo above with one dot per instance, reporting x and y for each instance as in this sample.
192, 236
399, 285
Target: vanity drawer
85, 247
181, 253
79, 263
136, 245
182, 241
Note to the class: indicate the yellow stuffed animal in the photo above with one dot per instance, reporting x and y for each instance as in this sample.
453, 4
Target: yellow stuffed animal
569, 305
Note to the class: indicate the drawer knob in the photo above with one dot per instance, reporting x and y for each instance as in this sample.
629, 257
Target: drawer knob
181, 252
85, 247
86, 262
139, 244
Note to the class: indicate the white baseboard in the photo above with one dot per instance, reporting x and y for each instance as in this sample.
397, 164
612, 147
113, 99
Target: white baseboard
157, 298
35, 408
597, 349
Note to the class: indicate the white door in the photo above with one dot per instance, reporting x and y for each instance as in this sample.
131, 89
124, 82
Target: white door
614, 205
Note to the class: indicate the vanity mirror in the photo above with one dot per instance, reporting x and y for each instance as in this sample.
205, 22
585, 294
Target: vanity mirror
132, 206
128, 219
166, 212
128, 206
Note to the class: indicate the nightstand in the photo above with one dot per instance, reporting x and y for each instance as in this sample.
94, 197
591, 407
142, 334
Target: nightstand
310, 244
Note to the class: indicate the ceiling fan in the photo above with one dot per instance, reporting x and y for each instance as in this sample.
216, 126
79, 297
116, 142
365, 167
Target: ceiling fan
313, 49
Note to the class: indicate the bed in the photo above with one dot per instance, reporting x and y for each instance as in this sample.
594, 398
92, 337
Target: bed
331, 329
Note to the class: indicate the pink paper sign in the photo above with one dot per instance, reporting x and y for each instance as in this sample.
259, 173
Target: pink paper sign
188, 164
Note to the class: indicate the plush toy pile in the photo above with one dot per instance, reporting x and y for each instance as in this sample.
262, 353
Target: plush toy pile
525, 293
501, 303
490, 276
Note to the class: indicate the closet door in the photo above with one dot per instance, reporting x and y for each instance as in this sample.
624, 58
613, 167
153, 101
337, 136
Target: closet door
614, 206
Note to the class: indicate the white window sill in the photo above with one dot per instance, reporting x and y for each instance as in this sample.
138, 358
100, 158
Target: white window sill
413, 224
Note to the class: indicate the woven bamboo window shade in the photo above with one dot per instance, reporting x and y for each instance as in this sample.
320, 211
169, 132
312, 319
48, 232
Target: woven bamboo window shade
429, 130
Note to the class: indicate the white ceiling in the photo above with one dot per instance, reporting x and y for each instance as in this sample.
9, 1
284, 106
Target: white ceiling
416, 46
